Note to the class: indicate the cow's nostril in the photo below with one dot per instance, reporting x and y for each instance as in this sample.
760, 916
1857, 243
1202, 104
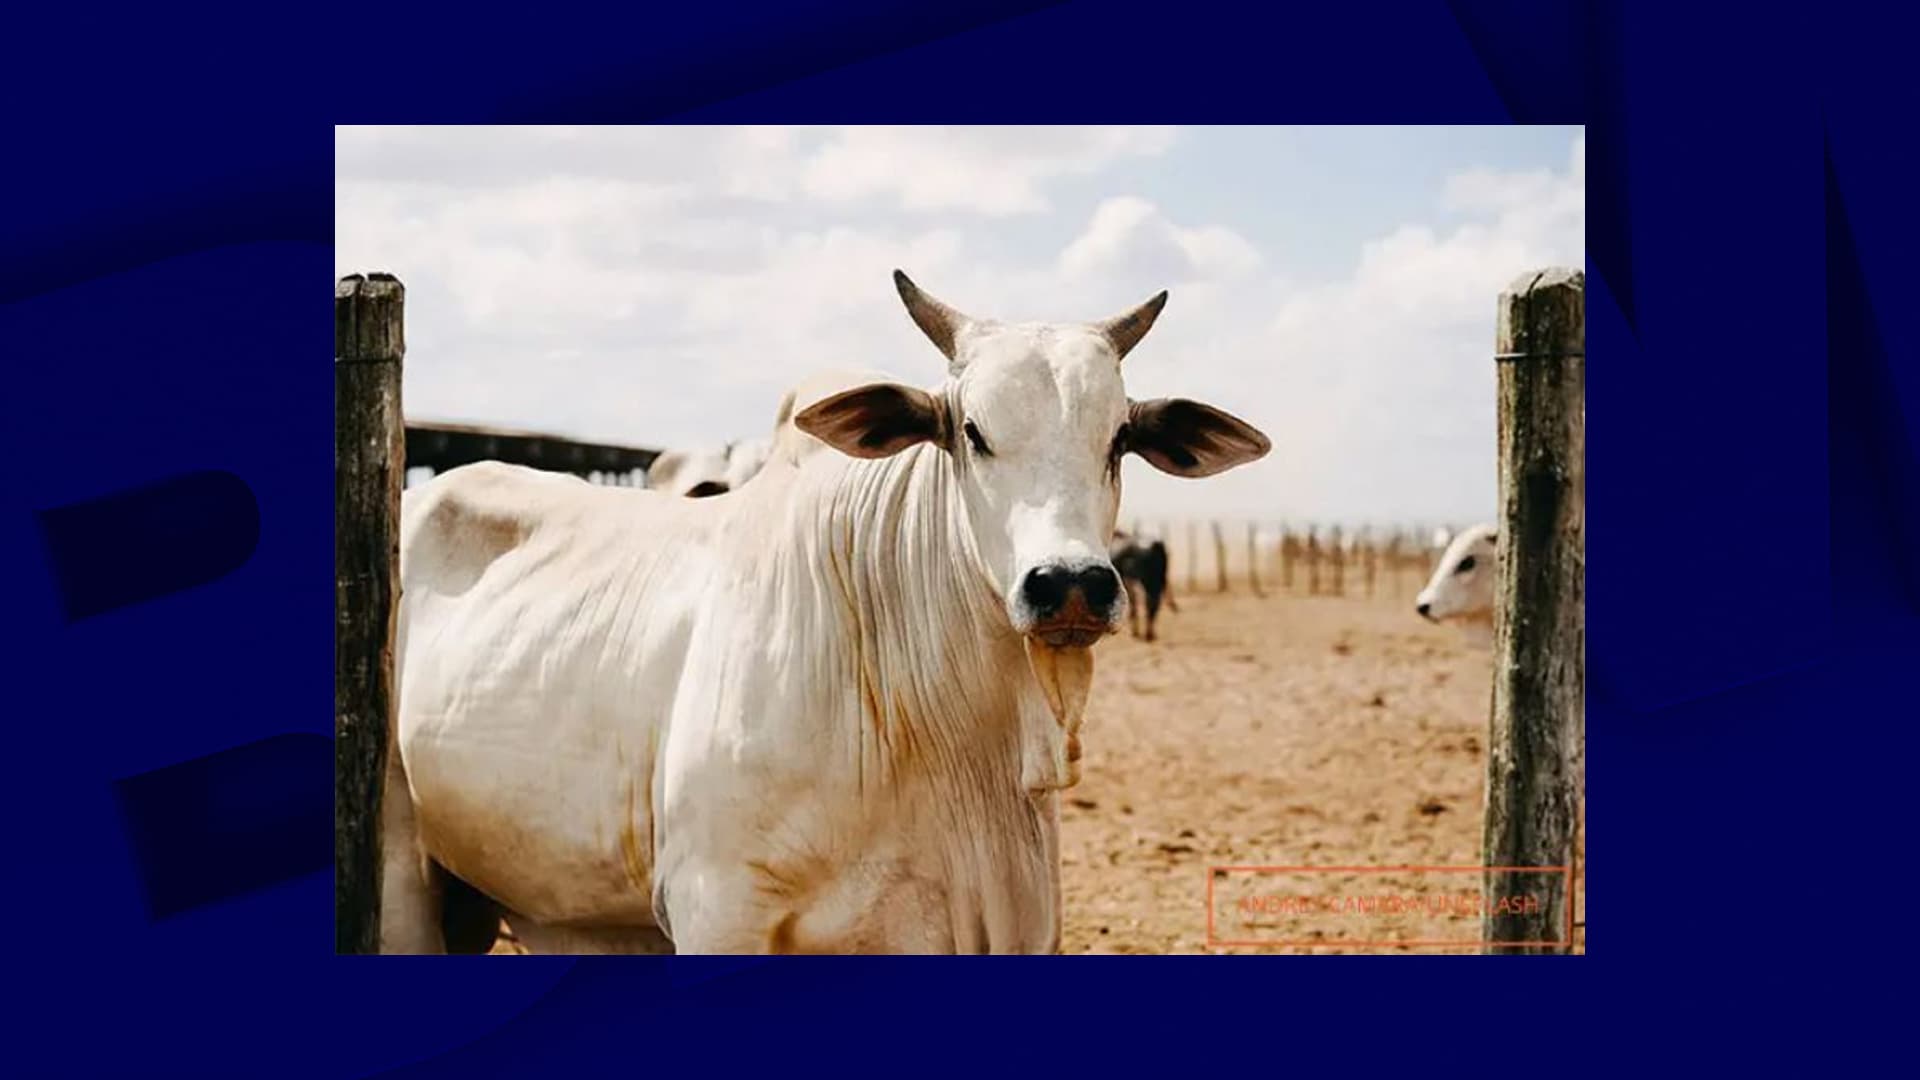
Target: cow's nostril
1425, 610
1045, 588
1100, 585
1048, 589
706, 488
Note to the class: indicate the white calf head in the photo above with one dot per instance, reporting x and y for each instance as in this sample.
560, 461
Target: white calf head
1462, 585
692, 473
1036, 419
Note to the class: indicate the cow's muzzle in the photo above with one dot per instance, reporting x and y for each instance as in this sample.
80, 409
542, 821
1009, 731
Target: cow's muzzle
1071, 606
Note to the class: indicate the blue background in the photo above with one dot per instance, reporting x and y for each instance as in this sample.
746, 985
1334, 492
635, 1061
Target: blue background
1754, 559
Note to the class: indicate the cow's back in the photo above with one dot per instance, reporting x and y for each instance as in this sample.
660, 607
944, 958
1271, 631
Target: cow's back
529, 749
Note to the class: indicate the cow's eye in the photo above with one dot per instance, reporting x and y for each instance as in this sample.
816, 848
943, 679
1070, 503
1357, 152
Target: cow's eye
979, 443
1466, 564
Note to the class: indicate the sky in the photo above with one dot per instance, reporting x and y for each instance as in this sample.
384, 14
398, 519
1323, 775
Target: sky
662, 286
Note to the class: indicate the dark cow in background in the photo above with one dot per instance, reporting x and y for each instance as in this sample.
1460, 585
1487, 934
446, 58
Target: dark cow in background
1142, 563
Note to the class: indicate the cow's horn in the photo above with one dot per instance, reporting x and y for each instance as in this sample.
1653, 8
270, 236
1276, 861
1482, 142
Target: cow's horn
939, 322
1125, 331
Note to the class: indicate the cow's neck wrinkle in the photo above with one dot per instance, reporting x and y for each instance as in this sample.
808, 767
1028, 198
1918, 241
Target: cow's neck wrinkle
921, 681
941, 677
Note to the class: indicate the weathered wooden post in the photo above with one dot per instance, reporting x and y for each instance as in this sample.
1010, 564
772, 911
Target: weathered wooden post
1313, 560
1219, 559
1193, 556
1253, 558
1338, 547
1535, 765
369, 465
1286, 559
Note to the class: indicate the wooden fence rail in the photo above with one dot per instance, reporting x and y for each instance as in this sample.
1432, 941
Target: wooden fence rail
441, 446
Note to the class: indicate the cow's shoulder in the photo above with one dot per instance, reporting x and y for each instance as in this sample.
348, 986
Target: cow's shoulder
457, 524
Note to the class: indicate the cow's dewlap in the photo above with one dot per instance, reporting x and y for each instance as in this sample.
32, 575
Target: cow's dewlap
1066, 677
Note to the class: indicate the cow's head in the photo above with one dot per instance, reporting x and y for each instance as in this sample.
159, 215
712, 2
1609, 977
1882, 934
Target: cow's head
1462, 584
1037, 419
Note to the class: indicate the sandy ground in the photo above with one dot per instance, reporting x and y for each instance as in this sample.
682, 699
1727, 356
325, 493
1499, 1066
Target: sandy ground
1282, 731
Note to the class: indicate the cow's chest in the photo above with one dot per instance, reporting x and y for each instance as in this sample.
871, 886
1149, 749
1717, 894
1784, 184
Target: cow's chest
819, 870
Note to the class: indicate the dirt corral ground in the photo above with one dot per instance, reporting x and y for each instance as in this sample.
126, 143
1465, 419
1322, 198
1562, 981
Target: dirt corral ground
1283, 731
1279, 732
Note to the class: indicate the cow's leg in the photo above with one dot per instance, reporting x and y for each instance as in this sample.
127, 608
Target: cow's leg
1133, 606
1153, 610
469, 919
410, 889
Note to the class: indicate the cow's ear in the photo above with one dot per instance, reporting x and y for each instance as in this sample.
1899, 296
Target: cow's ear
1186, 438
874, 421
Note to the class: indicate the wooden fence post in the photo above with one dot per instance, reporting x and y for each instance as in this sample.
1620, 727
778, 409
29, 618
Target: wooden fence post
369, 467
1536, 757
1219, 559
1338, 547
1193, 557
1253, 558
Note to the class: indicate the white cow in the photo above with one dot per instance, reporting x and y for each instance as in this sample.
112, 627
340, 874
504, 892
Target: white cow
1461, 589
699, 474
829, 713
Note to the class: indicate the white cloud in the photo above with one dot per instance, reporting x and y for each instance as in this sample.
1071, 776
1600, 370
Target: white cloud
986, 170
1378, 388
1130, 237
662, 286
752, 163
